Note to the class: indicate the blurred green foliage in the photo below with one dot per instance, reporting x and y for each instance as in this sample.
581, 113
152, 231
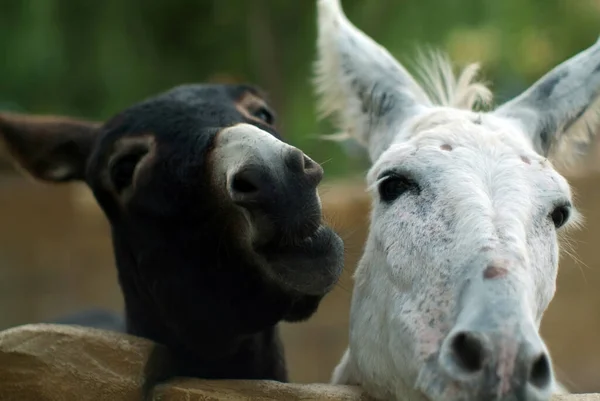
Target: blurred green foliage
94, 58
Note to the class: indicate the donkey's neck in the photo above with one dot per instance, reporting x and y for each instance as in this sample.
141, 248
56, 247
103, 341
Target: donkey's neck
256, 356
203, 339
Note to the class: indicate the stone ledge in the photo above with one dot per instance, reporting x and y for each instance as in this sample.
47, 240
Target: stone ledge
43, 362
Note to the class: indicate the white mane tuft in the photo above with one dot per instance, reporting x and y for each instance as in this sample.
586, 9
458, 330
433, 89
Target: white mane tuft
444, 88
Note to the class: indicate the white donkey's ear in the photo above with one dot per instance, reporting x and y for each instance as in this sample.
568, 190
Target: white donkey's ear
360, 83
562, 107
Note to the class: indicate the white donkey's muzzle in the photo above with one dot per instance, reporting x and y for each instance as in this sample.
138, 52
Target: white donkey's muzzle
494, 350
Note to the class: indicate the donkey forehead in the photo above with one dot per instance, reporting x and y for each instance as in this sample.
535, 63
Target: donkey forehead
460, 141
186, 117
187, 107
464, 128
217, 94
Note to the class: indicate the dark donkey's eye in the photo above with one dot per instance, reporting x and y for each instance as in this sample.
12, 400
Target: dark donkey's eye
560, 215
265, 115
392, 187
121, 171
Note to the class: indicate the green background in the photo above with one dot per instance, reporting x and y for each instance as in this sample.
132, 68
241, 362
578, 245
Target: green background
93, 58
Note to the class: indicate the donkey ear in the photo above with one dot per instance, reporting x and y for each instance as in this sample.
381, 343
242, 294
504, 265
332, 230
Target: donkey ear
360, 83
49, 148
562, 107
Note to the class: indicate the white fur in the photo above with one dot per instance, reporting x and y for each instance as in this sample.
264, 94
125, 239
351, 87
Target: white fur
486, 190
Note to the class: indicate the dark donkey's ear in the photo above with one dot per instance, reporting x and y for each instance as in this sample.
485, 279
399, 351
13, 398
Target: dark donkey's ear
50, 148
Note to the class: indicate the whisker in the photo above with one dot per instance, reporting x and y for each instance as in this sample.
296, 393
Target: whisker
326, 161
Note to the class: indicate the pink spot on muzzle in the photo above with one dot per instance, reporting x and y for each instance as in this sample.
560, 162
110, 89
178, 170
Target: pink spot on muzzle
494, 271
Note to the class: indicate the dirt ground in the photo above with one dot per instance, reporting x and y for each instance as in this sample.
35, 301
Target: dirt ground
55, 258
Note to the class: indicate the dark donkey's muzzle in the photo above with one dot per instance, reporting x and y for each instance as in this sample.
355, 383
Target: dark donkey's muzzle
283, 190
494, 351
275, 187
274, 182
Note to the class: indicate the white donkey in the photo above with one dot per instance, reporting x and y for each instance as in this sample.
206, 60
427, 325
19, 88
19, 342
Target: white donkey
462, 254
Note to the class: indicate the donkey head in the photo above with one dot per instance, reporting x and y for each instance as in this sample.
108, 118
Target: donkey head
216, 222
462, 255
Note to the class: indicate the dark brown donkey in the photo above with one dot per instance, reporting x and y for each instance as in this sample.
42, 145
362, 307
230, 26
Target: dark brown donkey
216, 223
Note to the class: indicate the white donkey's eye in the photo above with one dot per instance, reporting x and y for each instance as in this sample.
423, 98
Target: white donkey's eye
392, 187
560, 215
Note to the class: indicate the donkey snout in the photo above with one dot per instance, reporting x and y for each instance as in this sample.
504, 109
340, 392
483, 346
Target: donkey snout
280, 178
494, 363
279, 190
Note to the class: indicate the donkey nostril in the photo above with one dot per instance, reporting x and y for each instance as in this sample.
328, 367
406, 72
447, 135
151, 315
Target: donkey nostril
313, 170
295, 160
468, 352
540, 375
308, 170
242, 183
247, 187
308, 163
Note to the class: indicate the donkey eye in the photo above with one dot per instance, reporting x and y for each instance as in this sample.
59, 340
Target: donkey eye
121, 172
265, 115
560, 215
393, 187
